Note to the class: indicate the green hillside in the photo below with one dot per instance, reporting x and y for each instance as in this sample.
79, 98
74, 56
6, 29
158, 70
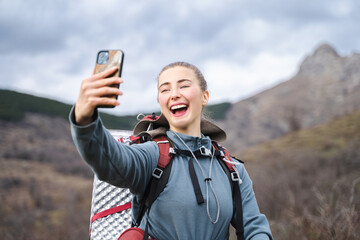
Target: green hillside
14, 105
217, 111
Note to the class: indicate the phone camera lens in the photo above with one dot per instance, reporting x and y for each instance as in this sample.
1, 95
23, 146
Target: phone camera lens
103, 57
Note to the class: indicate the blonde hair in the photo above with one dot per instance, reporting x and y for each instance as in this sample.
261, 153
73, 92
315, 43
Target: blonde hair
198, 74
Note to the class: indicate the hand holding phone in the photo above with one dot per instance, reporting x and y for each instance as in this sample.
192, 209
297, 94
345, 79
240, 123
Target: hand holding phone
102, 88
107, 59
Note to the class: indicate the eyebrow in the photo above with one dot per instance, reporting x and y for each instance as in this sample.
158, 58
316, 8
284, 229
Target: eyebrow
179, 81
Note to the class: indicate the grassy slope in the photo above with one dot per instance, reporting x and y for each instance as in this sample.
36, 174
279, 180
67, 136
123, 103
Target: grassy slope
308, 182
325, 139
40, 203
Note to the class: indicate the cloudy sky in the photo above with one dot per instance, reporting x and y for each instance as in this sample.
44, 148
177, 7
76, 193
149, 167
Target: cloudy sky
241, 46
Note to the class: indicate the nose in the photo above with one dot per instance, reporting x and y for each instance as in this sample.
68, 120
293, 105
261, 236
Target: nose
175, 93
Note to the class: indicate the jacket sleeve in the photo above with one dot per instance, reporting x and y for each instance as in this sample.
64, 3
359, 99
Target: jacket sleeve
256, 225
116, 163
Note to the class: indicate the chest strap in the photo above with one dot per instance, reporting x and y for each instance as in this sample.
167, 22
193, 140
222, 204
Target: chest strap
201, 152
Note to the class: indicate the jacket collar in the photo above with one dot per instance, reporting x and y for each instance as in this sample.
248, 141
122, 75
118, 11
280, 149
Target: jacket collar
154, 126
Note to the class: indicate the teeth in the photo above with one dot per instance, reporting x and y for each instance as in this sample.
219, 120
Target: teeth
178, 106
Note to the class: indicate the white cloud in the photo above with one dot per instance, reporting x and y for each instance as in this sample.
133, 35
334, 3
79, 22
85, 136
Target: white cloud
232, 81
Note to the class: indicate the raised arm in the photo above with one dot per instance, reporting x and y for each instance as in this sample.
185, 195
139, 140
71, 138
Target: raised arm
113, 162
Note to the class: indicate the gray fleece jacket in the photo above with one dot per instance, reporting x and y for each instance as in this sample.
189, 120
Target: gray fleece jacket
175, 214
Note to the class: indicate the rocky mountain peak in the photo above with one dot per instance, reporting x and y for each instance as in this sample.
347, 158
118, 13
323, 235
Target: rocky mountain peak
326, 86
324, 58
325, 50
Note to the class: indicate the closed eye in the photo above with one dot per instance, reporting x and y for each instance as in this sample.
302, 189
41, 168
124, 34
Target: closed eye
185, 86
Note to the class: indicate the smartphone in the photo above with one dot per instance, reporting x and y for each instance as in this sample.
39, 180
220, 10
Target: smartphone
107, 59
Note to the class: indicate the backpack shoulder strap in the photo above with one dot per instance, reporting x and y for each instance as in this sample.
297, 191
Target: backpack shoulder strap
159, 179
160, 176
161, 173
235, 181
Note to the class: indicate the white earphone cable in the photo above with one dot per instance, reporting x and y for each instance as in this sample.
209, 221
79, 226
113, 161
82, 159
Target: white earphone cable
207, 183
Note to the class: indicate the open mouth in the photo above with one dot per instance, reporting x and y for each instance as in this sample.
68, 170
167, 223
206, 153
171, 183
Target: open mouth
179, 110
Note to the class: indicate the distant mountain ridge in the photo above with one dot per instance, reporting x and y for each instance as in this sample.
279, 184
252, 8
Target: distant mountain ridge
14, 105
326, 86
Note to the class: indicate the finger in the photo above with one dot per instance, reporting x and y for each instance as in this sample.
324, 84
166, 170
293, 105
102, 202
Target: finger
106, 82
87, 87
103, 74
105, 91
100, 101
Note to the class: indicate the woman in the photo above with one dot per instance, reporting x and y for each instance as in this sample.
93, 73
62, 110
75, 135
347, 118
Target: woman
182, 94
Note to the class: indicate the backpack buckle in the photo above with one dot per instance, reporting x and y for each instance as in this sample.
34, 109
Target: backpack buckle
157, 173
125, 140
235, 177
205, 152
171, 151
222, 154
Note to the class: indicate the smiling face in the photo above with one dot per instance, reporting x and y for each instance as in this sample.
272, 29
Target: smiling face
181, 99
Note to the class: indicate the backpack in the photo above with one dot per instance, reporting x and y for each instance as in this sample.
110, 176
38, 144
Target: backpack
162, 172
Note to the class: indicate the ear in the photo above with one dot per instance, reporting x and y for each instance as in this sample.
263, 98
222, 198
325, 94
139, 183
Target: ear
205, 98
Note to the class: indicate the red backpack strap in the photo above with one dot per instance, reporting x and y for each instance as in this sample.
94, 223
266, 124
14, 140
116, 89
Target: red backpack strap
224, 154
107, 212
110, 211
161, 173
166, 150
130, 140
